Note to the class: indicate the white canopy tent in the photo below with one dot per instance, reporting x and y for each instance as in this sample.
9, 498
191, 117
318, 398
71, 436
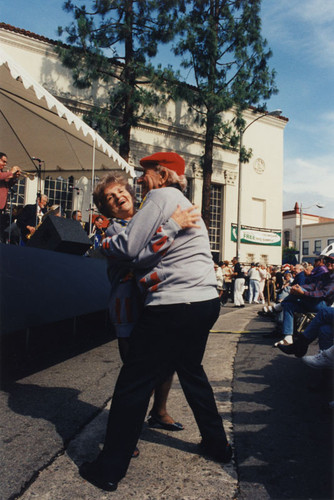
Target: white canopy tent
34, 124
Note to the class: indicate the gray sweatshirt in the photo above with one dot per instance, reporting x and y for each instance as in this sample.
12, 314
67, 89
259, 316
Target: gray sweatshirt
126, 301
185, 273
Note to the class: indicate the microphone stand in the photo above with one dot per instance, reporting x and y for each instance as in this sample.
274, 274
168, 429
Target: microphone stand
11, 195
39, 184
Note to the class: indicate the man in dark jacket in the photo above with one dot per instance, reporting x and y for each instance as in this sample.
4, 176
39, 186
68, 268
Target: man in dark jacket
31, 216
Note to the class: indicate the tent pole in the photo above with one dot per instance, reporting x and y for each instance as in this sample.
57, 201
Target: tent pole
93, 186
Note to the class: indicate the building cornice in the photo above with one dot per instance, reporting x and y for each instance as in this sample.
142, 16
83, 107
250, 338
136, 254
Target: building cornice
251, 112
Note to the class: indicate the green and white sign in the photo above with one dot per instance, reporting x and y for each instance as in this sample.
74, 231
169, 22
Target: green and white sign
257, 236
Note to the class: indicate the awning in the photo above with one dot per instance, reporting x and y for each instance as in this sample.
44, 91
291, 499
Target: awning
33, 123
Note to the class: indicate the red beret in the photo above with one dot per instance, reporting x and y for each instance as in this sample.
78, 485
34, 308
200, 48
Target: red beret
173, 161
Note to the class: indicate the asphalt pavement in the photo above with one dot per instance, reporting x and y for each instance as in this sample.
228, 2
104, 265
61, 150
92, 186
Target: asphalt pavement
53, 419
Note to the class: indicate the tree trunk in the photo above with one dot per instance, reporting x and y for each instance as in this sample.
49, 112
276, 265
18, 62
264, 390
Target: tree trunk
207, 170
129, 80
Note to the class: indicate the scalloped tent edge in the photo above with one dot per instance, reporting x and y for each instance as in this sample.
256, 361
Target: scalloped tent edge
35, 124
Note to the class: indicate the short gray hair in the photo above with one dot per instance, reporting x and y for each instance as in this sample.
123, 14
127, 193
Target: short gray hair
173, 178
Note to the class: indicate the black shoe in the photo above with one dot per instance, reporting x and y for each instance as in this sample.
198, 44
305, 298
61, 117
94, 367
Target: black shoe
221, 454
92, 473
267, 314
262, 313
298, 348
273, 335
154, 420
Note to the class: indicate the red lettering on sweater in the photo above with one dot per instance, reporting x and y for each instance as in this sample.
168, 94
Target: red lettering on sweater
158, 244
152, 283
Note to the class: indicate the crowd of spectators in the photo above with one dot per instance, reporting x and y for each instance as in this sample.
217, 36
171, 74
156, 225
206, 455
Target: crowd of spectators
261, 283
299, 298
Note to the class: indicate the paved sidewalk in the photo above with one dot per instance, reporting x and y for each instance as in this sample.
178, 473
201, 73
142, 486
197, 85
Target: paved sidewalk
169, 466
54, 419
46, 408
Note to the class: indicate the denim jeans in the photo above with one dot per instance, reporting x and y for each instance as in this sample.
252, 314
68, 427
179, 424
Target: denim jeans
294, 303
253, 291
167, 338
322, 327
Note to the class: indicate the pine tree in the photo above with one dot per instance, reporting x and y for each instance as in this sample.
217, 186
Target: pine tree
221, 43
113, 43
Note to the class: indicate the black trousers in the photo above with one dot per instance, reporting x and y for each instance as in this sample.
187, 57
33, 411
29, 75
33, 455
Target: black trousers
4, 221
166, 339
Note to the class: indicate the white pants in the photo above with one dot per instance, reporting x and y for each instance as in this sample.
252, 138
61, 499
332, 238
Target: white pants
239, 286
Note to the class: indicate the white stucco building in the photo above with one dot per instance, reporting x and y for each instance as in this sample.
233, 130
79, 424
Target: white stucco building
317, 232
261, 190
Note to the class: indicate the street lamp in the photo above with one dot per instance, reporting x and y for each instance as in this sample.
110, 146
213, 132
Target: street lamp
319, 205
276, 112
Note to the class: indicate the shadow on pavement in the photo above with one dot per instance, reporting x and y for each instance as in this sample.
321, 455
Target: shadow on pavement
283, 432
59, 406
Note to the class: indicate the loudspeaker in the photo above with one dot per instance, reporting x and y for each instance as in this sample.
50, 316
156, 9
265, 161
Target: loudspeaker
60, 235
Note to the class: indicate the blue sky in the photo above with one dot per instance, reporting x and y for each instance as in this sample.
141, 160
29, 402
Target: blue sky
301, 37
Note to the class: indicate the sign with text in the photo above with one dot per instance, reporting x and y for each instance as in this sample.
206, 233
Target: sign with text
257, 235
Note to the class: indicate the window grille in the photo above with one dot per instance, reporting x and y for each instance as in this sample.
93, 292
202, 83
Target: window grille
215, 219
60, 192
16, 194
306, 248
287, 238
137, 189
317, 247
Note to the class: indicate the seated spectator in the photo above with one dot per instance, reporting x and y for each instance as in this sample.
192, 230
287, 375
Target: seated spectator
319, 268
324, 359
311, 297
299, 279
97, 233
308, 273
321, 327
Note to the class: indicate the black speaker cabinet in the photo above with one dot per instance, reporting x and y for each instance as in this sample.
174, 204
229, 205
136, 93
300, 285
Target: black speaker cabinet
60, 235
